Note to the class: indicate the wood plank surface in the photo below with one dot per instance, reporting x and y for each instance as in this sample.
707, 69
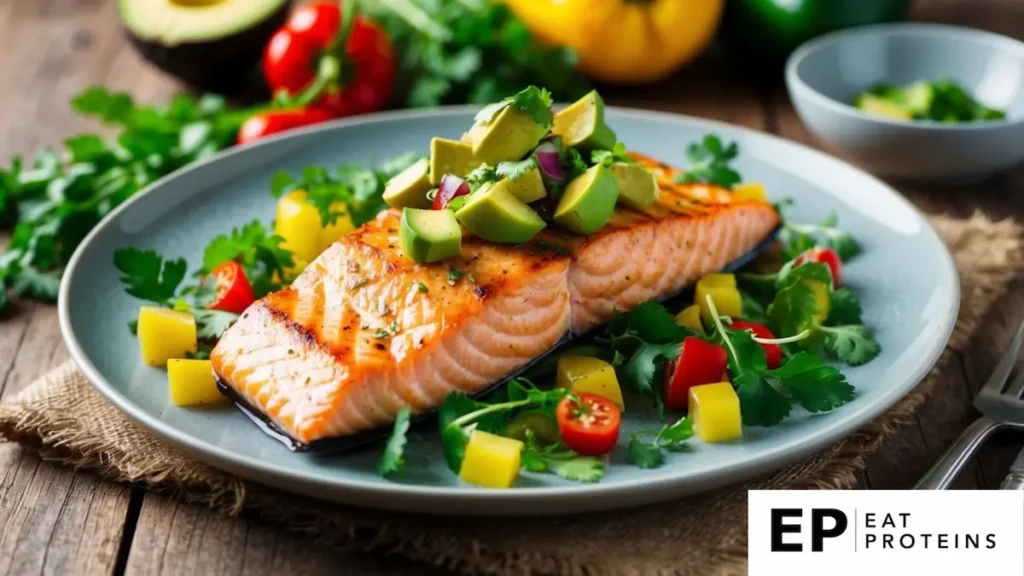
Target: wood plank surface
57, 521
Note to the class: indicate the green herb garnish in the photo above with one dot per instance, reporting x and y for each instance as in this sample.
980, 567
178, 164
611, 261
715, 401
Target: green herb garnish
709, 163
393, 461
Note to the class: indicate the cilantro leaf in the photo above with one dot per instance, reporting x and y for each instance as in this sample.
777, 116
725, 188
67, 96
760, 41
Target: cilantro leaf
709, 163
40, 285
853, 344
644, 455
211, 324
560, 461
640, 372
392, 461
845, 308
752, 310
798, 238
812, 383
147, 276
793, 310
533, 101
760, 403
516, 170
481, 175
653, 323
260, 253
609, 157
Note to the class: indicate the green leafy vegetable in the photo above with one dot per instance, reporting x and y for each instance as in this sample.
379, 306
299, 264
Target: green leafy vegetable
470, 51
798, 238
533, 101
845, 308
709, 163
56, 199
211, 324
646, 446
812, 383
350, 191
266, 262
853, 344
392, 461
459, 414
608, 157
147, 276
515, 170
560, 461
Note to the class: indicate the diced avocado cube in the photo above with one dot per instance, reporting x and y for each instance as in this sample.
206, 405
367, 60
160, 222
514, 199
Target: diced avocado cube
918, 98
450, 157
429, 235
875, 106
529, 187
494, 214
409, 187
638, 187
582, 124
510, 135
588, 201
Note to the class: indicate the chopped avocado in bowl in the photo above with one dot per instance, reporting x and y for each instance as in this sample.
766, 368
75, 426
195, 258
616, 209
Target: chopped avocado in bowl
940, 101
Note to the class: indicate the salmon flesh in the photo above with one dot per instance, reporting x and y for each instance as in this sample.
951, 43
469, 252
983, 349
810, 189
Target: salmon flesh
364, 331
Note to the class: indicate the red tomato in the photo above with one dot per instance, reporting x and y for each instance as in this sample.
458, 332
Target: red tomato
825, 256
772, 352
294, 58
699, 362
590, 427
271, 122
232, 292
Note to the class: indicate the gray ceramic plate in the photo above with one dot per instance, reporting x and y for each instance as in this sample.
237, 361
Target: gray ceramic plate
906, 277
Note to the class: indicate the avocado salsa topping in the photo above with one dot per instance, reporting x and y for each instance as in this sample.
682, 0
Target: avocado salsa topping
748, 350
517, 156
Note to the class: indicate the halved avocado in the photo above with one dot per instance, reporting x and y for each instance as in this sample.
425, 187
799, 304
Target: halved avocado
429, 235
210, 44
638, 187
495, 215
409, 187
582, 125
588, 201
450, 157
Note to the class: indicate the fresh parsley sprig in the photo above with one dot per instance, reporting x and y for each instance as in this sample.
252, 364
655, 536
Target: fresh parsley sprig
533, 101
559, 460
609, 157
798, 238
393, 460
646, 447
710, 163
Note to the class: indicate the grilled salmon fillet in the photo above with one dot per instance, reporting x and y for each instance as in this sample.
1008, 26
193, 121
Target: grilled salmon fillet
364, 331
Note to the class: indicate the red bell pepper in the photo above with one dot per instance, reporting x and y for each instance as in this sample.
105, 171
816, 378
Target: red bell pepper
269, 122
825, 256
337, 62
699, 362
772, 352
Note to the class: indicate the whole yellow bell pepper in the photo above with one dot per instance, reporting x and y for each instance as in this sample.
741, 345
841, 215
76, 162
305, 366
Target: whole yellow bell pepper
625, 41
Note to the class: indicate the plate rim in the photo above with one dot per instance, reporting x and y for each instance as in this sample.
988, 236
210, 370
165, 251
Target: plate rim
533, 501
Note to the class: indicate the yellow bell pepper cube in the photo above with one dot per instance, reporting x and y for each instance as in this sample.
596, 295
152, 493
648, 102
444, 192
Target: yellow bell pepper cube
298, 224
822, 300
491, 461
718, 280
727, 301
340, 227
165, 334
750, 191
690, 318
586, 375
714, 410
192, 382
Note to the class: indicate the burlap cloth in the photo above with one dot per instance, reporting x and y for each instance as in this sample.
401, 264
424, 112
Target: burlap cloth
62, 418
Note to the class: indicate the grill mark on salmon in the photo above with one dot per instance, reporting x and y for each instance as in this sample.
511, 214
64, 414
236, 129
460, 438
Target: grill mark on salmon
354, 339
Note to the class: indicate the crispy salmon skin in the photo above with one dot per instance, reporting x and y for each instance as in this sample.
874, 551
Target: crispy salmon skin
364, 331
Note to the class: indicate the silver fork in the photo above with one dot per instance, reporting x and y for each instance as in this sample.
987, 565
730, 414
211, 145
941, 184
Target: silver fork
1001, 406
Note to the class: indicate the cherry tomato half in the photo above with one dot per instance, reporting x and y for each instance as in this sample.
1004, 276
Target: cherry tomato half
232, 291
590, 426
699, 362
772, 352
825, 256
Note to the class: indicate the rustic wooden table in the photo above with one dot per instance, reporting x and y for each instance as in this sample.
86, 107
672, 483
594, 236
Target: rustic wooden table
58, 521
